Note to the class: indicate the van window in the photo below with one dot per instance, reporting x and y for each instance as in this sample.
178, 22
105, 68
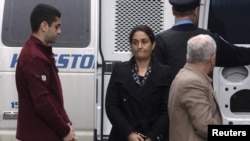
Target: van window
75, 22
230, 18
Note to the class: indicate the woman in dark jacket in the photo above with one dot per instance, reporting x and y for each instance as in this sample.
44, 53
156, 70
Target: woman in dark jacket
136, 99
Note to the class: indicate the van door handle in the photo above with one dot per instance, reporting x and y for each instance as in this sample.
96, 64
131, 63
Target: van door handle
109, 66
10, 114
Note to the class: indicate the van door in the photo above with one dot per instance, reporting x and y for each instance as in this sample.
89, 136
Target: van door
231, 84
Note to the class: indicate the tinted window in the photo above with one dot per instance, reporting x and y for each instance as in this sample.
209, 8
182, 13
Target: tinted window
239, 102
75, 22
230, 18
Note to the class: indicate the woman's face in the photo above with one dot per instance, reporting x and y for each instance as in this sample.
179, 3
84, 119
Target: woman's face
141, 45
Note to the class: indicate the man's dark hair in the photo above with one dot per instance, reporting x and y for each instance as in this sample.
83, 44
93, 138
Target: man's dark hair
43, 12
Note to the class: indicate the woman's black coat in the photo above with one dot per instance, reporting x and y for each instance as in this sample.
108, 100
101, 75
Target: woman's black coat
131, 109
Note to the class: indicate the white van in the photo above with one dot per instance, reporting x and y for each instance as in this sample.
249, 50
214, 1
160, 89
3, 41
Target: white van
94, 37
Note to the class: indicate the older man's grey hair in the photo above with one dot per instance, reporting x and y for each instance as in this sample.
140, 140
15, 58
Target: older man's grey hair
200, 48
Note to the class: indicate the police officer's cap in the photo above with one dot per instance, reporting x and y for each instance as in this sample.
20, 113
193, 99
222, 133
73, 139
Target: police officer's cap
184, 5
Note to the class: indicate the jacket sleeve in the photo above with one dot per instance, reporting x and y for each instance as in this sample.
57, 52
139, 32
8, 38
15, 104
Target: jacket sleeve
229, 55
197, 102
113, 109
42, 98
160, 127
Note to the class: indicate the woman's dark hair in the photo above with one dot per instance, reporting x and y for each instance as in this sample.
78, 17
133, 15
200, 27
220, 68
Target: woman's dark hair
144, 28
43, 12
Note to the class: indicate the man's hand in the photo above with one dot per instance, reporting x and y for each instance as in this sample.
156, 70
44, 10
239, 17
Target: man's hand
134, 137
71, 136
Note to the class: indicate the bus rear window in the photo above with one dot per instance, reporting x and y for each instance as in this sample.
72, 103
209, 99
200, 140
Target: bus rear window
75, 22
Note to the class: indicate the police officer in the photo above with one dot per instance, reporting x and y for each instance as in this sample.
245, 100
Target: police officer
171, 43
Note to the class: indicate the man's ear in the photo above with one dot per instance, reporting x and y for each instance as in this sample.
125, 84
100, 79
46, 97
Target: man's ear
213, 58
197, 11
44, 26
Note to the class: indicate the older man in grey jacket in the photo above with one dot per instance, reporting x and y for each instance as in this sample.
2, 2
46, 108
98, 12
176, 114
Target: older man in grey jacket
192, 101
